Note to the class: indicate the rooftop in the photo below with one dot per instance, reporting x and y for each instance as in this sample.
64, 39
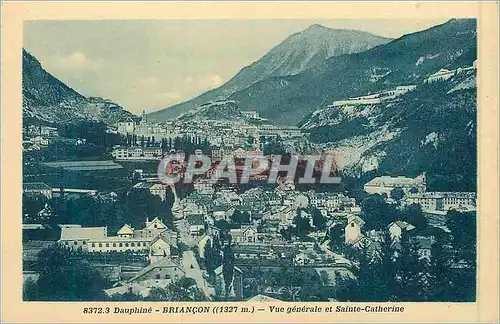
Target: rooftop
438, 194
83, 233
84, 165
163, 263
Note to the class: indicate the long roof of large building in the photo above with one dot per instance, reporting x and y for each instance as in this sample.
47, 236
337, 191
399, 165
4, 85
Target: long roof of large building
83, 233
387, 181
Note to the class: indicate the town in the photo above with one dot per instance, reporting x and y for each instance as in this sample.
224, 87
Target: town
129, 236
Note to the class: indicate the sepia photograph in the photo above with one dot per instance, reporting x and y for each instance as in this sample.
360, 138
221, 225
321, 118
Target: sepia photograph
226, 166
392, 103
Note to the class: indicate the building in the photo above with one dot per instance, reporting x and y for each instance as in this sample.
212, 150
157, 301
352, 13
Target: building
241, 235
385, 184
38, 187
424, 246
126, 126
159, 189
263, 298
79, 237
202, 245
441, 75
137, 153
196, 223
126, 231
154, 188
353, 229
444, 201
161, 247
163, 269
152, 229
155, 239
241, 153
250, 114
397, 228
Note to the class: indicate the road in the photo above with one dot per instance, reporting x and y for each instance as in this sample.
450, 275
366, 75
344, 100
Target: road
182, 227
193, 270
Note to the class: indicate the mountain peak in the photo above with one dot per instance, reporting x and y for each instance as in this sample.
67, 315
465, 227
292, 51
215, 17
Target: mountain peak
316, 27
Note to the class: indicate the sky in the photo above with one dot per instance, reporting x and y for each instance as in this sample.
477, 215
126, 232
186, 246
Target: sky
152, 64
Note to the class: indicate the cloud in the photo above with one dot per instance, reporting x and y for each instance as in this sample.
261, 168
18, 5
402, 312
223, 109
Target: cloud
211, 81
202, 83
77, 60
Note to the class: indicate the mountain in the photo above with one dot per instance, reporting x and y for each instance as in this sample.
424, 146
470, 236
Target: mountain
431, 129
407, 60
220, 110
47, 99
294, 55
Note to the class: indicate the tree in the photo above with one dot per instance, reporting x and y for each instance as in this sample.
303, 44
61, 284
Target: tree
413, 214
128, 296
397, 194
239, 217
463, 229
302, 224
228, 268
407, 269
378, 214
64, 278
212, 256
184, 289
319, 221
440, 272
30, 290
336, 236
33, 203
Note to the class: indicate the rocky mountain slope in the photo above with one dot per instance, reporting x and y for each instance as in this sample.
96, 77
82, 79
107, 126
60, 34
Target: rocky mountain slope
295, 54
431, 129
47, 99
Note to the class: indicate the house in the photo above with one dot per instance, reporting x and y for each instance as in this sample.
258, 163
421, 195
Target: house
222, 212
235, 287
353, 229
48, 131
241, 235
151, 230
262, 298
302, 259
37, 187
424, 246
161, 247
159, 189
202, 245
196, 223
163, 269
385, 184
126, 126
126, 231
397, 228
95, 239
